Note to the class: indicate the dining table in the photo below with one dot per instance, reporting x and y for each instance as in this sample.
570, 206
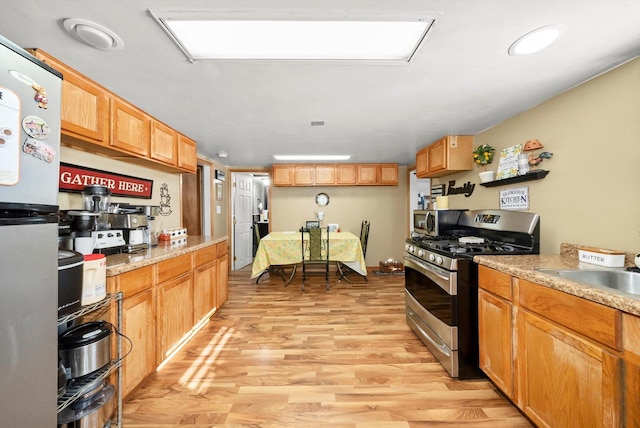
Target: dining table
285, 248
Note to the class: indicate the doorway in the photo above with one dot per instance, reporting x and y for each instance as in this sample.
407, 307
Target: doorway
249, 211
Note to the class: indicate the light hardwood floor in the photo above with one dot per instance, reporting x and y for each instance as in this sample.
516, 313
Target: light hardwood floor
278, 357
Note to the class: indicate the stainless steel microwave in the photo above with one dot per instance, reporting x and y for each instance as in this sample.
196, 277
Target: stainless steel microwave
435, 222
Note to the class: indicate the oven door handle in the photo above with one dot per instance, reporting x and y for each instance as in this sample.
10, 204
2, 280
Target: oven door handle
445, 279
440, 345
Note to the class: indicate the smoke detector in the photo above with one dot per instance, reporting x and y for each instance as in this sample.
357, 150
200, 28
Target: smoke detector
94, 35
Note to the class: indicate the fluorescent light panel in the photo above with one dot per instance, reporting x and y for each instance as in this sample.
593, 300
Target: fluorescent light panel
311, 157
298, 40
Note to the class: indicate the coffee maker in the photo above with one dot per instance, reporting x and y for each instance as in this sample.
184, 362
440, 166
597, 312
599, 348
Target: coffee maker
133, 224
107, 240
153, 224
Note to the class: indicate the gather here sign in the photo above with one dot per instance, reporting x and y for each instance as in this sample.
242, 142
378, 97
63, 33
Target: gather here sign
74, 178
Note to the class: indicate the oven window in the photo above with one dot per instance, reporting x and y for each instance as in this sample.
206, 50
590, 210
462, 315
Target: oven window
431, 297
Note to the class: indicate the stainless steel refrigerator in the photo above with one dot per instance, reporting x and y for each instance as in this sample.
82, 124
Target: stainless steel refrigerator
29, 166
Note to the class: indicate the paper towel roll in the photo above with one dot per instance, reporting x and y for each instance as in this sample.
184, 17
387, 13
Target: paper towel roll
442, 202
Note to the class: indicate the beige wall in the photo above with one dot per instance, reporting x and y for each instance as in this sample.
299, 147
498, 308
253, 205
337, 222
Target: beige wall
590, 195
81, 158
384, 206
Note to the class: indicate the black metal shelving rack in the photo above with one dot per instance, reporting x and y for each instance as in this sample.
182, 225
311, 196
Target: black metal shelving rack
74, 392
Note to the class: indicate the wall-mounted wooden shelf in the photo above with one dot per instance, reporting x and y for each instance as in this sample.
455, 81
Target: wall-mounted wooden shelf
530, 176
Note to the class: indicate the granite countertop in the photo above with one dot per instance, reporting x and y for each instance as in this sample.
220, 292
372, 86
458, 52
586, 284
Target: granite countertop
121, 263
525, 267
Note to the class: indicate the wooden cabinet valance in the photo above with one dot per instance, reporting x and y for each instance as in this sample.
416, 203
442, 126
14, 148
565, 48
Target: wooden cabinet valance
385, 174
447, 155
97, 120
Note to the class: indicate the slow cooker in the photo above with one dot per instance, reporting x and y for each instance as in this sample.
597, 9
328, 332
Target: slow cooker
92, 410
85, 348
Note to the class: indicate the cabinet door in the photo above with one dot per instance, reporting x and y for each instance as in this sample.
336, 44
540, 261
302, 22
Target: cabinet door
282, 175
388, 174
84, 111
223, 279
163, 143
346, 174
304, 175
367, 174
422, 166
187, 154
437, 157
631, 344
129, 128
566, 381
204, 290
138, 324
495, 332
325, 175
175, 317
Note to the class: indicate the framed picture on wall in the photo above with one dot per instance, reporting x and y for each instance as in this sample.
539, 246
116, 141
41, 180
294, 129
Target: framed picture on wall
219, 191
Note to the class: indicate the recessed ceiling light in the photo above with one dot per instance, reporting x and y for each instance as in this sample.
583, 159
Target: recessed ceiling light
537, 40
311, 157
200, 37
94, 35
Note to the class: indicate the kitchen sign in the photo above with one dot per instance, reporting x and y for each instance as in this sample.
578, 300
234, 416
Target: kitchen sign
516, 198
74, 178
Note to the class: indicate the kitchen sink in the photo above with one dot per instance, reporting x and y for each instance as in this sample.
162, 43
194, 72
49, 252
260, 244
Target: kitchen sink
617, 279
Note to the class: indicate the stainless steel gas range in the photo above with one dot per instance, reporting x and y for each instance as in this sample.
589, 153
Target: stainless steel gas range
441, 281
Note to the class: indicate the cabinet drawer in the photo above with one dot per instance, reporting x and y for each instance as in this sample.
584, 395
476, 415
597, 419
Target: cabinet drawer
222, 248
204, 255
592, 320
498, 283
135, 281
173, 267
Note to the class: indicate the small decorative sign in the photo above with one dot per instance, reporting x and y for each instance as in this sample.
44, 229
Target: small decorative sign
508, 166
74, 178
220, 175
466, 189
516, 198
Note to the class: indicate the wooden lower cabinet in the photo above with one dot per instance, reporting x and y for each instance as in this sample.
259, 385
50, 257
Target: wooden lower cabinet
175, 316
566, 381
165, 304
205, 290
138, 320
557, 356
223, 276
631, 344
495, 337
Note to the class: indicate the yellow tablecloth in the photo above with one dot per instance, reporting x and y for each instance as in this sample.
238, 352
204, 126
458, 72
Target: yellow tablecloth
284, 248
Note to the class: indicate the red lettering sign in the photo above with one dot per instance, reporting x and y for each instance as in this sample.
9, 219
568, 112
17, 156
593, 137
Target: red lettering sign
73, 178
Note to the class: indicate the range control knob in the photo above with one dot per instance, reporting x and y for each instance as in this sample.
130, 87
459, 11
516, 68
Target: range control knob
420, 253
439, 260
431, 257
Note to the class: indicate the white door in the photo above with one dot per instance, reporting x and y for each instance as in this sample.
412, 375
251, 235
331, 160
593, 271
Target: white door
243, 220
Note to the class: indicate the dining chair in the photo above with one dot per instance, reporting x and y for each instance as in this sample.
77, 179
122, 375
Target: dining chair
279, 270
315, 252
344, 270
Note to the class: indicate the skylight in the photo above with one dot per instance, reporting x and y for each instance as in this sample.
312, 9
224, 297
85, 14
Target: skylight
308, 39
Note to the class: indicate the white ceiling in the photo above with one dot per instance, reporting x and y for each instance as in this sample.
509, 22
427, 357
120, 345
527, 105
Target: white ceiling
462, 81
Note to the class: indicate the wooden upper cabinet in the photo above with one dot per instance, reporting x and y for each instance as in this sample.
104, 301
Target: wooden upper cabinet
187, 156
97, 120
85, 106
346, 174
447, 155
129, 128
282, 175
388, 174
325, 175
164, 142
335, 175
422, 165
367, 173
304, 175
